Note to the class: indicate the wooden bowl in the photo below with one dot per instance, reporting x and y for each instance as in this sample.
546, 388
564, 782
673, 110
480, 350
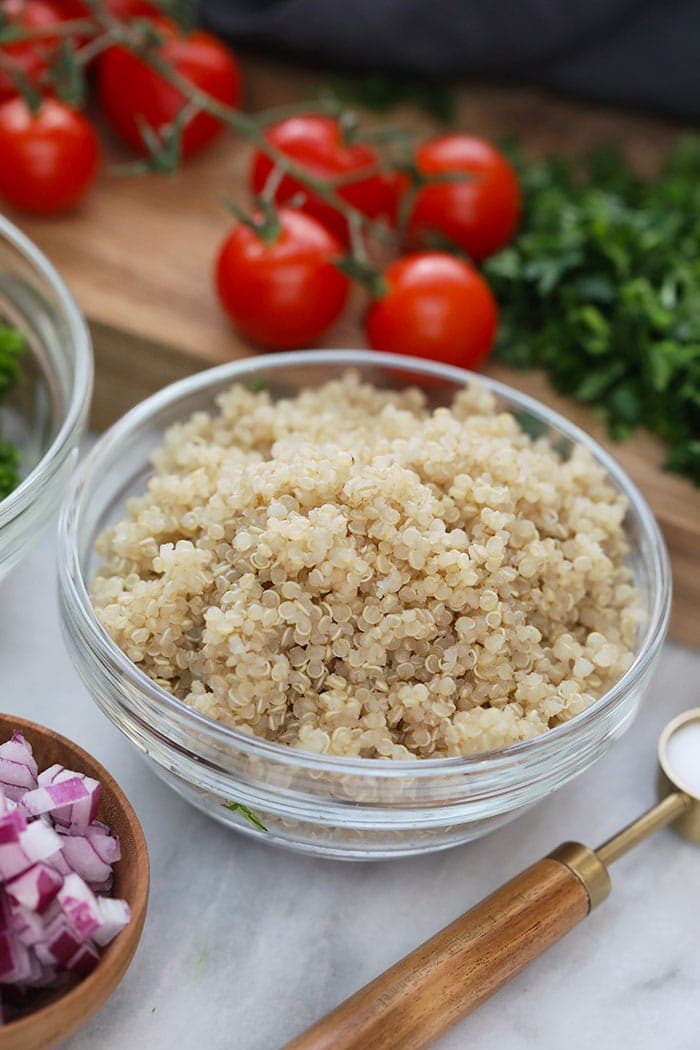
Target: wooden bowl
59, 1013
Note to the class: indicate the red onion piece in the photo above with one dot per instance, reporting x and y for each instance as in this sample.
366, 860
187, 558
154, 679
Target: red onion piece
98, 828
107, 847
47, 776
61, 948
35, 888
79, 905
15, 966
59, 863
115, 915
84, 961
13, 858
11, 825
55, 797
7, 805
18, 770
74, 813
39, 841
103, 887
84, 859
17, 749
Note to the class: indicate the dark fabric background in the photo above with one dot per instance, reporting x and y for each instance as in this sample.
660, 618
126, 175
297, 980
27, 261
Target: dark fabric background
643, 53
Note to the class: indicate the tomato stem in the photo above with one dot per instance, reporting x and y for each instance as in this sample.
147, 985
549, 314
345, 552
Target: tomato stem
266, 226
364, 273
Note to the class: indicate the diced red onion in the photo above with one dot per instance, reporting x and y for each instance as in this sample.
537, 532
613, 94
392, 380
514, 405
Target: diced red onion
61, 947
48, 775
54, 857
6, 804
17, 749
107, 847
84, 961
39, 841
18, 770
55, 797
59, 863
114, 915
28, 925
11, 825
35, 888
79, 905
103, 887
85, 860
15, 966
75, 814
98, 828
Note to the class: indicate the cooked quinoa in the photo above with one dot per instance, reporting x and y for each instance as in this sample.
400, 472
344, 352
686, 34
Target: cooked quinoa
351, 572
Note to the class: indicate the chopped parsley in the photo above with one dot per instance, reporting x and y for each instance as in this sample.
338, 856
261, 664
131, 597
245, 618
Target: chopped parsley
601, 289
11, 348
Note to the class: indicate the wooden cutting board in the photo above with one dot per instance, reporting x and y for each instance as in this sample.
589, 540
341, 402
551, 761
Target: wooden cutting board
138, 256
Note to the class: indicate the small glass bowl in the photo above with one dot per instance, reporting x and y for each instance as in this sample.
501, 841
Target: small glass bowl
341, 807
47, 412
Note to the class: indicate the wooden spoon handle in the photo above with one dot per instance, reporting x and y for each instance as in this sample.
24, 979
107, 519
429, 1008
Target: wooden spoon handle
449, 976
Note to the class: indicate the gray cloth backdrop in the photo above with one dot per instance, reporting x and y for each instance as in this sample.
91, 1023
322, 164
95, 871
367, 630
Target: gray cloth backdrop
643, 53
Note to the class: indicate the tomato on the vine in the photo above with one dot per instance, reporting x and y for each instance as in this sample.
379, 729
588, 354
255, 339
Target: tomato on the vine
316, 144
49, 160
29, 57
480, 214
282, 292
435, 306
130, 91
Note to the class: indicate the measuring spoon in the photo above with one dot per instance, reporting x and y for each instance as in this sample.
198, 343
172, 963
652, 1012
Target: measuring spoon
450, 975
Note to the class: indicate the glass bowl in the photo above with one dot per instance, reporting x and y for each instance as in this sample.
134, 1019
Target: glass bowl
342, 807
46, 413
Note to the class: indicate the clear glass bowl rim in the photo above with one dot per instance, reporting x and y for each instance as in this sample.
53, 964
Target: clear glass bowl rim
31, 487
540, 747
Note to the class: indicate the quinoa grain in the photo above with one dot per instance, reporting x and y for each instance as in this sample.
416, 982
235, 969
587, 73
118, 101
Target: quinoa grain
350, 573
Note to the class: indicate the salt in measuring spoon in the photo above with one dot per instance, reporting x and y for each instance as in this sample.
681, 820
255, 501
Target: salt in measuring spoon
448, 976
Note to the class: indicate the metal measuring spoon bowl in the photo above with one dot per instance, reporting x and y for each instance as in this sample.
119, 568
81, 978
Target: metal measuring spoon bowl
679, 761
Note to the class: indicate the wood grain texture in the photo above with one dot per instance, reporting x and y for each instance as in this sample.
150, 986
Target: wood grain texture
414, 1002
59, 1014
139, 255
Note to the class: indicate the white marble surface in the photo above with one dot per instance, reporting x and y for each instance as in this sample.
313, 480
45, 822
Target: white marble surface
246, 945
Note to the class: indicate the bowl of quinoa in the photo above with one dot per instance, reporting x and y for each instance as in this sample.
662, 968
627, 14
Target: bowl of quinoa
369, 604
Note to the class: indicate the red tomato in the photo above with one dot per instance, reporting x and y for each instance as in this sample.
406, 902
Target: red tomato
479, 215
316, 142
282, 295
130, 90
435, 306
123, 9
50, 160
126, 9
29, 57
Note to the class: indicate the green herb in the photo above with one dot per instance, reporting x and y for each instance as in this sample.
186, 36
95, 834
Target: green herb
9, 462
238, 807
11, 349
602, 290
381, 92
